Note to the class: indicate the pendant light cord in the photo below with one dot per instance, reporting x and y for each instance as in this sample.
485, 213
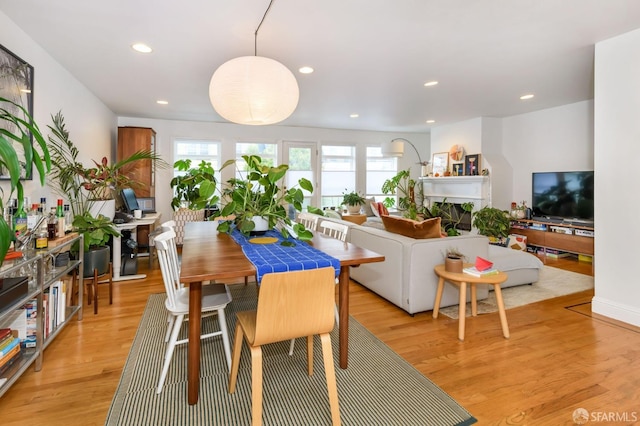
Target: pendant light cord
255, 52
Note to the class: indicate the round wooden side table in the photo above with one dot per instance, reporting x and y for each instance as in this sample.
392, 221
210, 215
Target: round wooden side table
358, 219
461, 280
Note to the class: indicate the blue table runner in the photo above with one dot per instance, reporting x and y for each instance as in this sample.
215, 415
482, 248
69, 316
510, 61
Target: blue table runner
278, 258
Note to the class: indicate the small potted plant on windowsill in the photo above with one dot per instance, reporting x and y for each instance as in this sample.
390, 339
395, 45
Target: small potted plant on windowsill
353, 200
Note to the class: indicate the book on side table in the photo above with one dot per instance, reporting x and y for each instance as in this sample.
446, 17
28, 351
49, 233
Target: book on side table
477, 273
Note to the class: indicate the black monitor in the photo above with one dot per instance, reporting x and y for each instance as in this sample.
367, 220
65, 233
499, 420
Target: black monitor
129, 200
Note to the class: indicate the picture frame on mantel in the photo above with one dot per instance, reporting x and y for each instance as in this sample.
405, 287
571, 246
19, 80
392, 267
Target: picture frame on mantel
457, 169
16, 85
472, 165
440, 163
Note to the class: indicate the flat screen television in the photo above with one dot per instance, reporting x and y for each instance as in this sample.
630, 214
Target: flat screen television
129, 200
563, 195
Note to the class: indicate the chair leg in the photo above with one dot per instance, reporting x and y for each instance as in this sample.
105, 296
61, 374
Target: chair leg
235, 359
169, 351
310, 355
291, 345
170, 319
256, 385
222, 321
330, 373
110, 284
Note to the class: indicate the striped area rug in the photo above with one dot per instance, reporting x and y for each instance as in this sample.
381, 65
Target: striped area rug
378, 388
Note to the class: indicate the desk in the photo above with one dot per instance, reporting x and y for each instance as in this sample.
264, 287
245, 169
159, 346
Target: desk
209, 255
148, 219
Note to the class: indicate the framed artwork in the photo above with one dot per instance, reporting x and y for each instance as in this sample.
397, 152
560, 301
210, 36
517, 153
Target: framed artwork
457, 169
16, 85
440, 163
472, 165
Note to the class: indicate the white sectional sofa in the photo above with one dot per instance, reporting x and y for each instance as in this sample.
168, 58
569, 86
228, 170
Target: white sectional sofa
406, 277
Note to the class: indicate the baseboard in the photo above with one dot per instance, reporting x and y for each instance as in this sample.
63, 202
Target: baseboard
618, 311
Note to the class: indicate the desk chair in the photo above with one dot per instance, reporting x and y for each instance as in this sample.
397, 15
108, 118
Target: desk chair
291, 305
215, 298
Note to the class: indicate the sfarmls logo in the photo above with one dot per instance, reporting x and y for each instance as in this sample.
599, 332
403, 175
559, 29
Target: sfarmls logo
582, 416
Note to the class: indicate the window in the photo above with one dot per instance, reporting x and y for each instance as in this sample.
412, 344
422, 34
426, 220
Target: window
197, 151
379, 169
267, 151
338, 173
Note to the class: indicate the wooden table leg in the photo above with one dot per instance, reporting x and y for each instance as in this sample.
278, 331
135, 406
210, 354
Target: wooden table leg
474, 303
503, 314
436, 303
343, 302
462, 310
193, 362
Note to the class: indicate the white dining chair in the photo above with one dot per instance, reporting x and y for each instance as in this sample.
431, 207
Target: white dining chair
164, 227
309, 220
215, 297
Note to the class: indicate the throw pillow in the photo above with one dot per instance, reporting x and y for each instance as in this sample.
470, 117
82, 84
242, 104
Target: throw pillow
429, 228
382, 210
374, 208
366, 208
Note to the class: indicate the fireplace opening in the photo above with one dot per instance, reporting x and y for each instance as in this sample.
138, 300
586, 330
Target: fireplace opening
454, 216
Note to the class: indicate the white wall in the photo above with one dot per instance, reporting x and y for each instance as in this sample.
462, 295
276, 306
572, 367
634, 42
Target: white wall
91, 124
167, 131
617, 146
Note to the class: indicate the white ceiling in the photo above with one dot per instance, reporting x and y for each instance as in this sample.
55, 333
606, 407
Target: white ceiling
371, 57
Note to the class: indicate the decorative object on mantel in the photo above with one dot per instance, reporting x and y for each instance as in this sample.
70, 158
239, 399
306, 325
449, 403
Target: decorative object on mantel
395, 148
457, 169
456, 153
472, 165
440, 163
254, 90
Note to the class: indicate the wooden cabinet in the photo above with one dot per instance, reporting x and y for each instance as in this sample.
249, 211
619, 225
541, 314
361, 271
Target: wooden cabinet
558, 236
131, 140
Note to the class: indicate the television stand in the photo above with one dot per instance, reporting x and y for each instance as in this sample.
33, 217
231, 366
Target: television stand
552, 235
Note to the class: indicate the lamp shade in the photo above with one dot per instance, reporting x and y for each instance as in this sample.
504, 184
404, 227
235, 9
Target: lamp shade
253, 90
394, 148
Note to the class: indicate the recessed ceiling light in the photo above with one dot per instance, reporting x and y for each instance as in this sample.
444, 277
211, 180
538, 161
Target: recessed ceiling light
162, 102
354, 115
525, 97
430, 83
142, 48
305, 70
431, 121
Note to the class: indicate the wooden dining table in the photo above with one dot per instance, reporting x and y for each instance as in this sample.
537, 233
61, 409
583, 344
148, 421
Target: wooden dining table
208, 255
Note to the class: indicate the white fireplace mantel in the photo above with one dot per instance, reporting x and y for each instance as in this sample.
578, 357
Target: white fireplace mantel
457, 190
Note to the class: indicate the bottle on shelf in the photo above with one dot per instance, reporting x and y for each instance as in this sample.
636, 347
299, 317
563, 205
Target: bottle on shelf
68, 219
60, 226
20, 221
52, 224
43, 205
32, 217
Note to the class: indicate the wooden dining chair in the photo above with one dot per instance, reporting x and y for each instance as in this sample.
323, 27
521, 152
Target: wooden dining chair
309, 220
335, 230
291, 305
215, 298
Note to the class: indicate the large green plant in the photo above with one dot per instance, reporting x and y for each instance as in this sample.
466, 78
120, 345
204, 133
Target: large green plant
258, 194
195, 187
492, 222
96, 230
402, 186
450, 215
17, 130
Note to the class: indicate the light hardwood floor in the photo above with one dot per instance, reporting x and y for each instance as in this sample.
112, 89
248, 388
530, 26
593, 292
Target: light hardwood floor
557, 359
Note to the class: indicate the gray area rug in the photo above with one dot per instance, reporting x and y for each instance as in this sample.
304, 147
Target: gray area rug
553, 282
378, 388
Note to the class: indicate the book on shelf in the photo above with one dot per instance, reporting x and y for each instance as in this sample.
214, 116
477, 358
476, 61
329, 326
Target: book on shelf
10, 362
4, 332
477, 273
6, 341
12, 344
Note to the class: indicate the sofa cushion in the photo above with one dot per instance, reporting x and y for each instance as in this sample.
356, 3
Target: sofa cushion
429, 228
366, 208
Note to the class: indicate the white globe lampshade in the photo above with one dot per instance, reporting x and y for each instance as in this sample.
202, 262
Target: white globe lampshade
253, 90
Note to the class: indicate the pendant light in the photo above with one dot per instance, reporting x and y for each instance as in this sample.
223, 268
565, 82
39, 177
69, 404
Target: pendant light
254, 90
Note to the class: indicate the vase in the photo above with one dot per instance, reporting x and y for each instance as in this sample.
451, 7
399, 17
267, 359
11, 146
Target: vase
453, 264
354, 209
262, 223
107, 208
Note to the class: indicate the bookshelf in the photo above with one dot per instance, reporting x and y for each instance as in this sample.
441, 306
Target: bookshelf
35, 331
561, 236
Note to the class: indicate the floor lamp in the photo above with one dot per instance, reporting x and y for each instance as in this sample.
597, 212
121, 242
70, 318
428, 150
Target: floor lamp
395, 148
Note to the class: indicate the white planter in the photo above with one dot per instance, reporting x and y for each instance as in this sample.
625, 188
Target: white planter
262, 224
106, 208
354, 209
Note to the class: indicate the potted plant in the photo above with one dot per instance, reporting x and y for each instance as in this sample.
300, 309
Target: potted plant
17, 130
257, 196
451, 217
492, 222
404, 187
353, 200
89, 188
196, 187
454, 260
96, 231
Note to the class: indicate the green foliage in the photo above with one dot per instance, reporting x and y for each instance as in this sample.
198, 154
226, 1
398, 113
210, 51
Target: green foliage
96, 230
17, 129
196, 187
258, 194
492, 222
352, 198
315, 210
402, 186
449, 214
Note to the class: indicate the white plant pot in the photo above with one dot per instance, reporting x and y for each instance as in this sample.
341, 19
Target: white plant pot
354, 209
262, 224
107, 208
